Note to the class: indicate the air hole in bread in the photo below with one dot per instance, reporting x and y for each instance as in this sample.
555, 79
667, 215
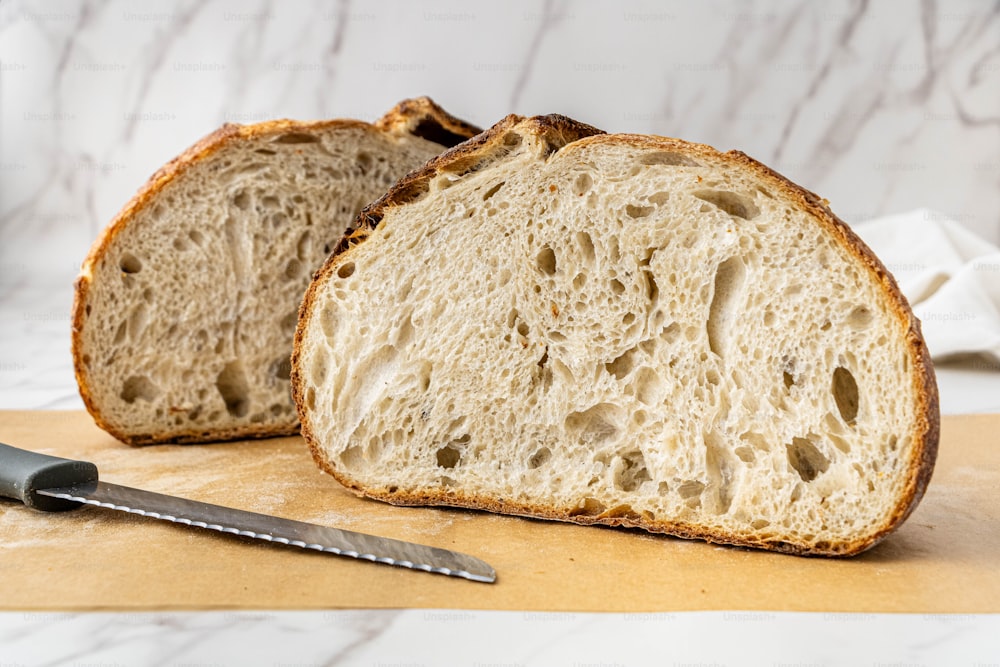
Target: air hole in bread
622, 365
788, 379
719, 466
200, 339
691, 490
319, 367
631, 471
668, 158
649, 387
293, 269
806, 459
137, 321
305, 241
839, 442
236, 240
345, 270
614, 250
729, 282
732, 203
588, 507
129, 263
365, 162
295, 138
617, 287
638, 211
281, 368
546, 261
448, 457
241, 200
352, 457
671, 333
756, 440
659, 198
845, 393
539, 458
492, 191
139, 387
278, 220
624, 511
652, 288
582, 184
196, 237
860, 318
586, 244
232, 386
328, 322
289, 321
512, 139
597, 424
120, 332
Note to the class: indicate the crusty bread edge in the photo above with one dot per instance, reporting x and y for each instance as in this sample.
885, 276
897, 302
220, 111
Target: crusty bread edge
402, 119
423, 117
413, 187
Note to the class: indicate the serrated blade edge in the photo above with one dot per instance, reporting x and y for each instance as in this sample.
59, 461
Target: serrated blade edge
277, 530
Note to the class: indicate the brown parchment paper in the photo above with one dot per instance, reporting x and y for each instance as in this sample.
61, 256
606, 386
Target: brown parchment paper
946, 558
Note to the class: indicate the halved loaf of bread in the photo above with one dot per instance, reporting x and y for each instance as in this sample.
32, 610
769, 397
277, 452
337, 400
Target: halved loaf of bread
618, 329
186, 305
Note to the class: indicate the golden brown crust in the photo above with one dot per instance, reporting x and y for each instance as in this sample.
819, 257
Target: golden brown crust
413, 187
422, 117
396, 122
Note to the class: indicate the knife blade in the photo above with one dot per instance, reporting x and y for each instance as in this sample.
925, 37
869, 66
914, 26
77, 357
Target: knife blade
53, 484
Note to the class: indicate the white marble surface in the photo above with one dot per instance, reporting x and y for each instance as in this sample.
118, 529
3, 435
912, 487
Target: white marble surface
881, 107
420, 637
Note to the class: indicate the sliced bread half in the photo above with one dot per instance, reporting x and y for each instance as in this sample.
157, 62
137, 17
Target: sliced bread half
185, 307
618, 329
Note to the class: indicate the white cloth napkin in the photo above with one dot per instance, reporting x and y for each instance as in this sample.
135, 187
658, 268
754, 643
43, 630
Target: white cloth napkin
950, 276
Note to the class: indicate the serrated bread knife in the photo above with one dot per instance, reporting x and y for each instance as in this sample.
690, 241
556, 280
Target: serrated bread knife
53, 484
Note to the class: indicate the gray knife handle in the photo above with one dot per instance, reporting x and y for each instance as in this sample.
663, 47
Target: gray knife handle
23, 472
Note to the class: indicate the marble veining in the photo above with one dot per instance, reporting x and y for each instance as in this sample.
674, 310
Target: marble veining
405, 638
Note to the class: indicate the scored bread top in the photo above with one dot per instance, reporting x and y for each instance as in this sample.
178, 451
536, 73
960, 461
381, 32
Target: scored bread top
548, 135
414, 121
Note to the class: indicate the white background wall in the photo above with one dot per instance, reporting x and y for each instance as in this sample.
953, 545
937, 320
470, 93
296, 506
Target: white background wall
879, 106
